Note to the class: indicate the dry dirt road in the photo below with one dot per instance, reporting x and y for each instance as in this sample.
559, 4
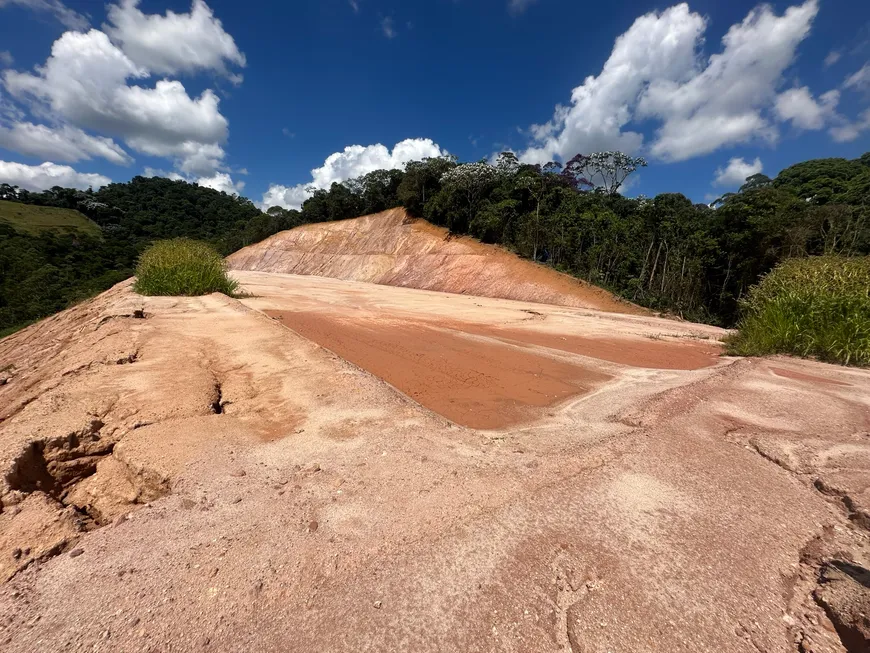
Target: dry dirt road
336, 466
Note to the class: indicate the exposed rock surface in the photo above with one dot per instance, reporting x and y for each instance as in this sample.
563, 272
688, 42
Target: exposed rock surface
188, 474
393, 249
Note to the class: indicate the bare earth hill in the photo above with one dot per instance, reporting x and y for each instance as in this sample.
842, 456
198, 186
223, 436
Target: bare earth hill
393, 249
331, 465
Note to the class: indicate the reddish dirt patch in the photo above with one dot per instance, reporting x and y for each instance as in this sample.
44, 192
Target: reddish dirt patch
800, 376
656, 354
477, 384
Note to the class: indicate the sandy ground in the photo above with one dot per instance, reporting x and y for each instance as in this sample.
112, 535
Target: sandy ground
194, 475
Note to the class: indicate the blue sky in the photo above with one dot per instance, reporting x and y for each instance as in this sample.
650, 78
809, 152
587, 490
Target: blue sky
267, 98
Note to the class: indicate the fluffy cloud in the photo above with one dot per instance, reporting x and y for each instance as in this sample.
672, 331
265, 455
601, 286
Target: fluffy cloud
800, 107
847, 131
47, 175
832, 58
173, 43
62, 144
656, 46
67, 17
860, 80
736, 172
655, 72
84, 82
222, 182
6, 58
353, 161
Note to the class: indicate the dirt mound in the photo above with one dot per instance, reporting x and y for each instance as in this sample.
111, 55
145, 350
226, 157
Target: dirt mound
392, 249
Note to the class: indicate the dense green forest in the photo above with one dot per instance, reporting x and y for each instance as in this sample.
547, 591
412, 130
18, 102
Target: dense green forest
42, 273
695, 260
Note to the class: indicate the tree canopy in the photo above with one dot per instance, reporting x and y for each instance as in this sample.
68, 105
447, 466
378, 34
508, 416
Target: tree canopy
663, 252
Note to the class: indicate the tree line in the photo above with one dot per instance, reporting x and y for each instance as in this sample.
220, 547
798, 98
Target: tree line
666, 252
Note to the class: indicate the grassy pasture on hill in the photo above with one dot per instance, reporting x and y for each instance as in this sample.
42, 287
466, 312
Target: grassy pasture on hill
32, 219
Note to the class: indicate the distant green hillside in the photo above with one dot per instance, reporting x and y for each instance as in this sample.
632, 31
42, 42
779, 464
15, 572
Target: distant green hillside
33, 220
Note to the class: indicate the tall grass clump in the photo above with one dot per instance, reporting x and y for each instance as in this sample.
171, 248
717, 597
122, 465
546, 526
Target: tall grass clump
182, 267
818, 306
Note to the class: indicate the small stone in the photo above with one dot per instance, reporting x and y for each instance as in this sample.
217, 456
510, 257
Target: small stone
187, 504
238, 473
237, 500
378, 605
313, 526
17, 553
120, 519
315, 467
75, 553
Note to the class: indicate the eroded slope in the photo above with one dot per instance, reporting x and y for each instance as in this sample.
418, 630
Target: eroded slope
390, 248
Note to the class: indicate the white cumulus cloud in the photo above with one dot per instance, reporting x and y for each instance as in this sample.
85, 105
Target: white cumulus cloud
173, 43
800, 107
655, 72
223, 182
84, 82
41, 177
353, 161
737, 171
848, 131
63, 143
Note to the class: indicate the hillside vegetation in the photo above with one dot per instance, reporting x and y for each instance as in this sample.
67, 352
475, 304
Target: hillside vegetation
666, 252
33, 220
817, 306
44, 272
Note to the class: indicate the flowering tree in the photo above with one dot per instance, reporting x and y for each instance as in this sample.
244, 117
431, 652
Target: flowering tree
538, 182
470, 181
605, 170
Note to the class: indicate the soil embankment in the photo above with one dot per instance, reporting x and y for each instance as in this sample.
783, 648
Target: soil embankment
390, 248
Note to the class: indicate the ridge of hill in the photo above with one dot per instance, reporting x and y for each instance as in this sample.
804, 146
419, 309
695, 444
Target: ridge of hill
391, 248
33, 220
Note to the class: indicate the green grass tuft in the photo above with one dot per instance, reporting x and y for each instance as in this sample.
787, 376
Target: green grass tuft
817, 306
182, 267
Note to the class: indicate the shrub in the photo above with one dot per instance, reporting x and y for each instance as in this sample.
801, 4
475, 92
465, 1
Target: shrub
182, 267
817, 306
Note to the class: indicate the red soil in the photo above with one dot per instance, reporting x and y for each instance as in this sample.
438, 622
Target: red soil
800, 376
655, 354
477, 384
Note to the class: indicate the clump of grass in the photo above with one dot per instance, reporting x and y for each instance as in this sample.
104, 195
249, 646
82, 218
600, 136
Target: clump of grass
182, 267
817, 306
